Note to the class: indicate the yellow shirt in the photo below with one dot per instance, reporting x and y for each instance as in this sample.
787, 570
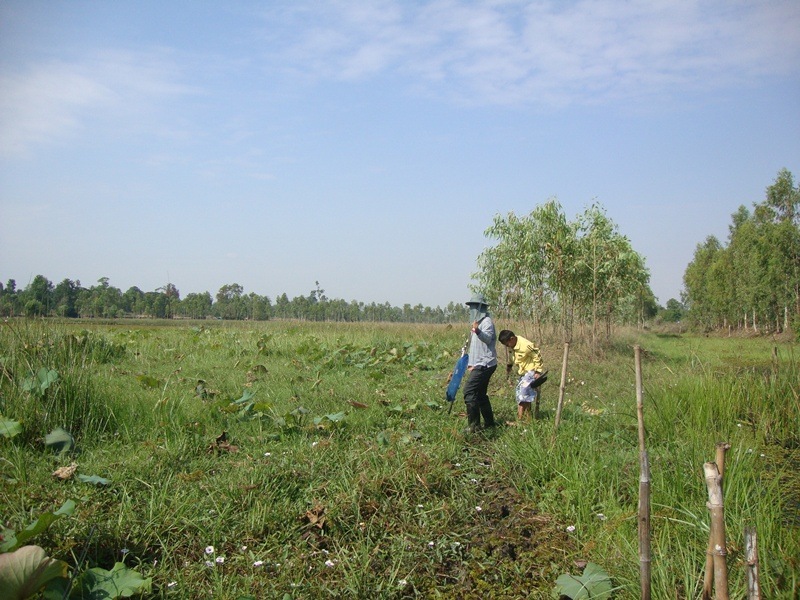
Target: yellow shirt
527, 356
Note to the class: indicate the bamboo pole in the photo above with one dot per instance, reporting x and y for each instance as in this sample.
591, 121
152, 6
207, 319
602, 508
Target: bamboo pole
563, 386
708, 580
717, 511
644, 525
644, 484
637, 354
751, 560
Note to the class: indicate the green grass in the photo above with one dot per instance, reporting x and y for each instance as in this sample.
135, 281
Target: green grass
343, 475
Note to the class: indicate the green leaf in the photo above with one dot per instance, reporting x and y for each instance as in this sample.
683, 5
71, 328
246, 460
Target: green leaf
25, 571
594, 584
9, 428
13, 541
40, 381
94, 479
383, 439
246, 396
119, 582
149, 382
60, 440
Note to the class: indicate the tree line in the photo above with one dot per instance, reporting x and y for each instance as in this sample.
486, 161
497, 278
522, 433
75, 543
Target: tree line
753, 281
69, 299
542, 268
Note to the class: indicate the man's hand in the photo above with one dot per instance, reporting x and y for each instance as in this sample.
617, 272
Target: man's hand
474, 327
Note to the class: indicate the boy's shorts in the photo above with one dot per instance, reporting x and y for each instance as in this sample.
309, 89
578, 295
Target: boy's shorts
524, 393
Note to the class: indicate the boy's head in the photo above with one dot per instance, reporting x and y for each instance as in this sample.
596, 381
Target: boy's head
507, 338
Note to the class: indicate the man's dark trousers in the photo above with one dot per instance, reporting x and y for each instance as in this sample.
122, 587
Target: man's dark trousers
476, 397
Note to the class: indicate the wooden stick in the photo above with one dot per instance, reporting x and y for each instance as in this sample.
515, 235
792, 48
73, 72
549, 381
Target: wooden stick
563, 385
637, 353
717, 510
644, 525
751, 560
644, 484
708, 580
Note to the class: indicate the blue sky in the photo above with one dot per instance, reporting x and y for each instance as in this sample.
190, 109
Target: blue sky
368, 145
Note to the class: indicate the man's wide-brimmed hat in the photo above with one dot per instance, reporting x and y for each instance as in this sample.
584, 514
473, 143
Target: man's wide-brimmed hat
477, 299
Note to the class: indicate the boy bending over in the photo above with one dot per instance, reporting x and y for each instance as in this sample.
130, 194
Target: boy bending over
528, 359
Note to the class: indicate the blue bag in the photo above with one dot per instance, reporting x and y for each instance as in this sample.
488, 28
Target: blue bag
458, 375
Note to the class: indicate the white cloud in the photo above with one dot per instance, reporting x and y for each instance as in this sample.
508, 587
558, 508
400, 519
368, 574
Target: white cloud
549, 52
45, 102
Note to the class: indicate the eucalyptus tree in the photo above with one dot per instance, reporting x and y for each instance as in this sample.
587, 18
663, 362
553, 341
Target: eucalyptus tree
37, 298
608, 269
65, 298
133, 301
512, 273
782, 209
545, 268
9, 299
229, 304
196, 306
172, 299
697, 296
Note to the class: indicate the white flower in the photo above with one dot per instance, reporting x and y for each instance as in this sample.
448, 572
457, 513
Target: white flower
258, 563
172, 584
329, 563
209, 563
124, 551
403, 582
601, 516
431, 544
473, 480
571, 528
420, 506
220, 560
478, 508
244, 548
267, 453
209, 549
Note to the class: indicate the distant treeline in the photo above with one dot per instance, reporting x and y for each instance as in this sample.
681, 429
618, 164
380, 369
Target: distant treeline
69, 299
753, 281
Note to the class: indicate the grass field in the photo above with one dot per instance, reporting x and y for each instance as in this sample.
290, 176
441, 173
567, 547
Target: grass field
307, 460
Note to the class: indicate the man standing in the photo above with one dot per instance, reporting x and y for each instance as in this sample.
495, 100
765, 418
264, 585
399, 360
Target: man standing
481, 366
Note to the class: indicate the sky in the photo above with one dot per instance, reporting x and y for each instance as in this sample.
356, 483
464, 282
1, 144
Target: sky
368, 145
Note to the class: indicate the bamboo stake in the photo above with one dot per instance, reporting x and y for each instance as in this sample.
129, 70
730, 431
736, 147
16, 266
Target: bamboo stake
708, 580
637, 353
717, 510
644, 525
644, 484
751, 560
563, 385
